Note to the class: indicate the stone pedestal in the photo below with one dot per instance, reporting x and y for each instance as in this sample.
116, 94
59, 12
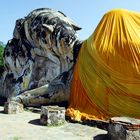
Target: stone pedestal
52, 115
12, 107
124, 128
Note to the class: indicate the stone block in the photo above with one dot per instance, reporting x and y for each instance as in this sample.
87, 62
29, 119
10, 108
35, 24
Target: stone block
124, 128
116, 132
12, 107
52, 115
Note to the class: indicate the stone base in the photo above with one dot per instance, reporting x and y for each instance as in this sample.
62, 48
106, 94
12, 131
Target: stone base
12, 107
124, 128
52, 115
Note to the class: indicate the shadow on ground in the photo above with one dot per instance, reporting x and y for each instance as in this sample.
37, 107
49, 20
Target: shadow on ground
2, 112
101, 137
93, 123
35, 122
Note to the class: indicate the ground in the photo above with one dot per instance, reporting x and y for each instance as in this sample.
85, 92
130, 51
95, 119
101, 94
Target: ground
25, 126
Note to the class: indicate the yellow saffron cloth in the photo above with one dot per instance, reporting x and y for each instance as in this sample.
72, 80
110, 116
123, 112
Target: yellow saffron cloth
106, 79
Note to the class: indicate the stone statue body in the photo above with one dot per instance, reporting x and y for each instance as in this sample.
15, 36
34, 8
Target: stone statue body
39, 59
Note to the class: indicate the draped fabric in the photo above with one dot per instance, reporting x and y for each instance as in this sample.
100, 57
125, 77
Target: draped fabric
106, 79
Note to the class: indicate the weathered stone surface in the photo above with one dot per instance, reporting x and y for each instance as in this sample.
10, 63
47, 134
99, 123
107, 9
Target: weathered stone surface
39, 59
116, 132
124, 128
52, 115
133, 135
12, 107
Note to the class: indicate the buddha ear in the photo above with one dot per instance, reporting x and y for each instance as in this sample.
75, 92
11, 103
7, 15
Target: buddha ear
76, 28
50, 28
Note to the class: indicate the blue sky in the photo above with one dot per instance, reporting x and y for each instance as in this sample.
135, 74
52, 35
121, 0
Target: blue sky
86, 13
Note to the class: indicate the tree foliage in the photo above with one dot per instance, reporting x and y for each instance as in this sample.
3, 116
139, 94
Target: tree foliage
1, 57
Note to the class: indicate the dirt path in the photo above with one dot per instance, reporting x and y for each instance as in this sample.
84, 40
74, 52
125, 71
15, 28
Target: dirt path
25, 126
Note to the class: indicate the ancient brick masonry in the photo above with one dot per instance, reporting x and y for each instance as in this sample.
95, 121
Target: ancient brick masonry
52, 115
124, 128
12, 107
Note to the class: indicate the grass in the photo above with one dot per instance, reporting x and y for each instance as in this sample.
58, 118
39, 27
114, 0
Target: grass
28, 110
16, 138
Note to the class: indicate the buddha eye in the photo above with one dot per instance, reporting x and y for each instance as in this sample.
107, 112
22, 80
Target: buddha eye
66, 39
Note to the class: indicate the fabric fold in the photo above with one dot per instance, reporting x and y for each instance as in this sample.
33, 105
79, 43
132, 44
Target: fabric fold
106, 80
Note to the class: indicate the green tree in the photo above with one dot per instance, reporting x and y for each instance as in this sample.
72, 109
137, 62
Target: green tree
1, 57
